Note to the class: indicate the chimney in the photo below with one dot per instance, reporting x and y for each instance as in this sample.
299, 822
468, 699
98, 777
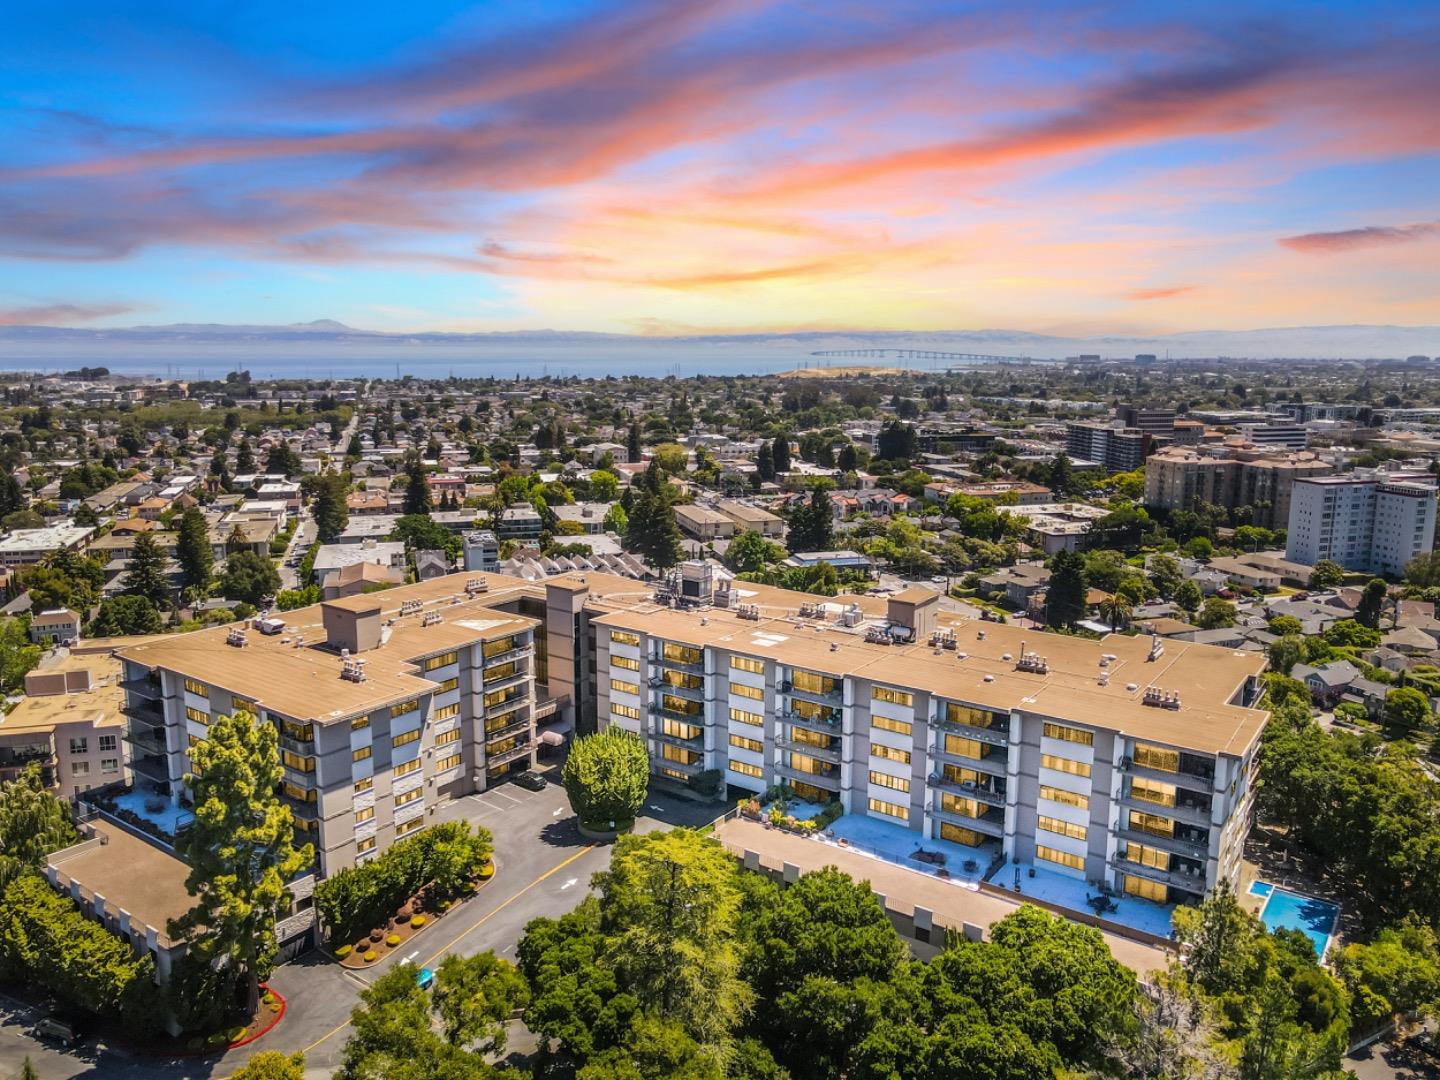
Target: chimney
352, 623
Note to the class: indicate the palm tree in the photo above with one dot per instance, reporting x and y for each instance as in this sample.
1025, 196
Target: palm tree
1116, 610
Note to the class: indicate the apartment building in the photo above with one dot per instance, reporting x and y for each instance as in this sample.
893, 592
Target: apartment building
69, 723
1364, 524
1116, 449
385, 705
1127, 761
1229, 475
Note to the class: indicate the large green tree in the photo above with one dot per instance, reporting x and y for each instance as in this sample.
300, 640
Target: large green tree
1372, 603
146, 575
418, 499
33, 823
272, 1065
394, 1036
607, 776
475, 997
193, 551
1065, 594
249, 577
812, 524
240, 850
332, 512
18, 654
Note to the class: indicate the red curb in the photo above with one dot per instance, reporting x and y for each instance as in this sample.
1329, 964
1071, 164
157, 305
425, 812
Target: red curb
268, 1027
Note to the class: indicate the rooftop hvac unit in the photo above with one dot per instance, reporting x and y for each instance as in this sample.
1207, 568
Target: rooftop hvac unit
409, 607
852, 615
431, 618
236, 637
476, 585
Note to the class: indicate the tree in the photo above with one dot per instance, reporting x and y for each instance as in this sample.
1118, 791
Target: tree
765, 462
332, 512
750, 552
33, 823
1067, 590
1188, 597
812, 524
1062, 477
1372, 602
475, 996
1327, 574
780, 454
393, 1036
240, 850
616, 520
652, 531
28, 1072
282, 460
1116, 610
12, 497
633, 449
244, 458
1216, 614
607, 776
670, 902
1407, 709
417, 489
146, 575
604, 486
249, 577
1165, 573
192, 549
896, 442
272, 1065
420, 532
1285, 652
18, 654
671, 457
126, 615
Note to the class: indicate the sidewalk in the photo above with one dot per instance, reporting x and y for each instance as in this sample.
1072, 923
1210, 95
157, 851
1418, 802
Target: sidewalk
952, 904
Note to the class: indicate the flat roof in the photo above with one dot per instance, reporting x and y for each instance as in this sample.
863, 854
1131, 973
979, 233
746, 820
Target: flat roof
100, 705
132, 876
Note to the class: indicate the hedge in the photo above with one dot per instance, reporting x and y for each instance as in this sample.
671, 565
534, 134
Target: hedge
359, 898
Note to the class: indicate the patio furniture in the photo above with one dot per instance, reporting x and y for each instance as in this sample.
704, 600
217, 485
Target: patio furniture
971, 866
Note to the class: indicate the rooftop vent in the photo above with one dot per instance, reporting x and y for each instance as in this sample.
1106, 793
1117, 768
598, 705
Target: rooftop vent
431, 618
353, 670
476, 585
1132, 687
1034, 663
1160, 699
409, 607
989, 678
834, 646
236, 637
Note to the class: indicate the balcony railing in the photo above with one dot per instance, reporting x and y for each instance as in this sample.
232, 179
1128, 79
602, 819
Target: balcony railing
495, 760
968, 789
144, 688
1183, 777
1177, 844
991, 822
1186, 812
694, 693
823, 753
986, 735
817, 723
696, 742
153, 766
695, 666
675, 714
509, 654
1192, 881
20, 757
148, 713
545, 709
510, 704
508, 729
147, 740
996, 763
829, 779
297, 746
833, 696
509, 680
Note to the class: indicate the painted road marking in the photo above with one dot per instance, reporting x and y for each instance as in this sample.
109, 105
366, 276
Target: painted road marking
569, 883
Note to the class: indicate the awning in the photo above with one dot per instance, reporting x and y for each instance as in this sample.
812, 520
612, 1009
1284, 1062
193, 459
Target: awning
552, 738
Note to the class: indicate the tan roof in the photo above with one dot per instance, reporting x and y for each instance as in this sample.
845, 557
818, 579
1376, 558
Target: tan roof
100, 705
916, 594
133, 877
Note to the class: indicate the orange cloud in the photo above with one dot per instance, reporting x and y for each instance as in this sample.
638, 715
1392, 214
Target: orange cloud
1160, 292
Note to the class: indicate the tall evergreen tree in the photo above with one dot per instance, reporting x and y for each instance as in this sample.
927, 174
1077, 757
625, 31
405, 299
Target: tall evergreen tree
418, 499
1066, 592
812, 525
245, 458
632, 444
146, 575
332, 512
765, 462
1372, 602
780, 454
1062, 476
240, 850
192, 549
12, 498
33, 823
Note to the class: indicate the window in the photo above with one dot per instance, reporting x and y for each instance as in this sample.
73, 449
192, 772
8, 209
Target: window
811, 738
680, 730
500, 645
680, 754
362, 846
1153, 824
107, 742
968, 714
452, 683
624, 687
1157, 757
1146, 890
364, 815
1065, 765
754, 693
630, 712
746, 663
404, 707
811, 683
1060, 858
958, 774
299, 792
807, 764
80, 746
884, 723
885, 780
671, 703
1070, 734
1154, 791
360, 753
890, 809
503, 697
680, 654
194, 740
445, 738
742, 717
80, 768
1060, 795
440, 661
406, 768
109, 765
954, 804
744, 768
294, 729
629, 663
1145, 855
445, 712
624, 637
199, 689
686, 680
297, 762
500, 672
959, 746
409, 796
675, 774
824, 714
364, 784
451, 762
409, 826
894, 697
960, 835
407, 738
889, 753
240, 704
755, 746
200, 716
1061, 828
360, 723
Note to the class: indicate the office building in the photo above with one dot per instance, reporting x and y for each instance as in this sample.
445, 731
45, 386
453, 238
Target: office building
1364, 524
1155, 421
1126, 761
1289, 436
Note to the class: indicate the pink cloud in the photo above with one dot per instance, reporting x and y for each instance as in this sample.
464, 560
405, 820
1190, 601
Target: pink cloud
61, 314
1160, 292
1326, 243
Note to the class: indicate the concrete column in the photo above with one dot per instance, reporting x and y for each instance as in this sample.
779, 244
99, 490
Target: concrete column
791, 873
752, 860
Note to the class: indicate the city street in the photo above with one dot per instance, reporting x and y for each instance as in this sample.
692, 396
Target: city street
544, 869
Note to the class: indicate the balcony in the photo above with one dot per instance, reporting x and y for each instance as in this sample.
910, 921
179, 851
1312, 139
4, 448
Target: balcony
516, 679
508, 729
510, 704
829, 779
495, 761
151, 766
696, 667
696, 744
993, 763
1177, 844
828, 725
675, 714
1191, 779
545, 709
991, 822
18, 757
147, 740
297, 746
990, 735
305, 811
968, 789
829, 753
1183, 810
149, 713
510, 654
693, 693
1191, 881
834, 696
143, 688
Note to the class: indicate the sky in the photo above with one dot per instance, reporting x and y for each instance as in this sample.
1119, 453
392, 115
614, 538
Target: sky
712, 166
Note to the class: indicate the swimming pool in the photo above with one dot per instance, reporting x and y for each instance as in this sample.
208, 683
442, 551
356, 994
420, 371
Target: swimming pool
1285, 910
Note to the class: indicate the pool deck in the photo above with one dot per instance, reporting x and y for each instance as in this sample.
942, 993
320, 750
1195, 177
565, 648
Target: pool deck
166, 818
953, 902
1297, 912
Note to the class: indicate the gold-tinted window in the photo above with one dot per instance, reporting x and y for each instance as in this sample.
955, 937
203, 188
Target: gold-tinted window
1157, 757
629, 663
440, 661
753, 745
884, 723
747, 663
1070, 734
754, 693
1065, 765
890, 809
894, 697
889, 753
885, 780
1062, 828
744, 768
624, 637
1154, 791
1060, 858
1060, 795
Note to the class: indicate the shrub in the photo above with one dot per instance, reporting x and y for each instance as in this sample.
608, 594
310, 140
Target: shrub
393, 940
370, 956
708, 782
418, 921
487, 871
377, 935
342, 952
269, 998
235, 1034
275, 1008
607, 776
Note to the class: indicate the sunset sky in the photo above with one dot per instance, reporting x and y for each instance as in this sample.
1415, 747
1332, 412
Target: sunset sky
692, 166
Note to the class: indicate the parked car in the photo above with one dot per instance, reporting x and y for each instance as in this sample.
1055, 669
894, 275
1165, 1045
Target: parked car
531, 780
58, 1030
